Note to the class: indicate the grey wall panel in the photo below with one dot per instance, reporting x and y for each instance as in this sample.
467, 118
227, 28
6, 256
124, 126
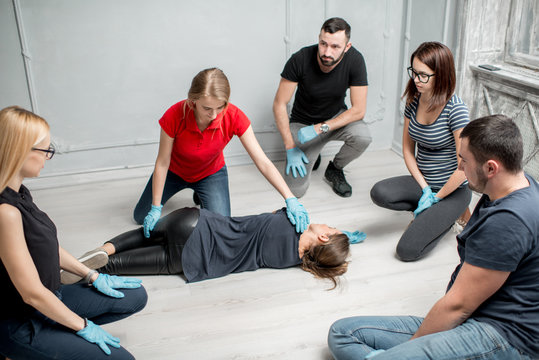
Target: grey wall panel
105, 71
376, 33
424, 20
13, 88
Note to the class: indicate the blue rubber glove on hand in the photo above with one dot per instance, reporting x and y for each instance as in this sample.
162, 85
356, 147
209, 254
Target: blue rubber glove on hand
96, 335
355, 237
373, 354
426, 201
151, 219
294, 160
297, 214
106, 284
306, 134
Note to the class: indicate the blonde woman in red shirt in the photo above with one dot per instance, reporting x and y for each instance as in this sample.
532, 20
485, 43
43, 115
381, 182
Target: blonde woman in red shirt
194, 133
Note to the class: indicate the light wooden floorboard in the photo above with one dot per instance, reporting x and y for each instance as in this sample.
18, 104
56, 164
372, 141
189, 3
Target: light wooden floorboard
267, 314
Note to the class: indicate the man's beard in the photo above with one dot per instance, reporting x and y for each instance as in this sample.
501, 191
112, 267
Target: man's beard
327, 62
481, 182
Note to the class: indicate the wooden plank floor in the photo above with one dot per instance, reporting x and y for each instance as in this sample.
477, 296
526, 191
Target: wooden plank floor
266, 314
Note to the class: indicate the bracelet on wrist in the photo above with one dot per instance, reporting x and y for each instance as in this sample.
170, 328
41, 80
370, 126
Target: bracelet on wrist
88, 277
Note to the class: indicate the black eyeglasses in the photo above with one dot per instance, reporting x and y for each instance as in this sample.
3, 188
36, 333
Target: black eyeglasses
49, 153
423, 78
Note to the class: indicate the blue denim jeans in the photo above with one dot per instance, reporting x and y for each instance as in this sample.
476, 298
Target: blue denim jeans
38, 337
212, 191
355, 337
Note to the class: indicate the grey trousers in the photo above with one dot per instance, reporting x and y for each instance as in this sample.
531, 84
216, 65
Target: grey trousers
403, 193
356, 137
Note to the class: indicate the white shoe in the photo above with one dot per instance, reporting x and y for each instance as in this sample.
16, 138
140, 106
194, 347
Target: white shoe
93, 259
458, 226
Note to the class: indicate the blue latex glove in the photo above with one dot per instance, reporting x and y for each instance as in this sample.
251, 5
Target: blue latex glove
96, 335
151, 219
373, 354
355, 237
294, 160
297, 214
426, 201
106, 284
306, 134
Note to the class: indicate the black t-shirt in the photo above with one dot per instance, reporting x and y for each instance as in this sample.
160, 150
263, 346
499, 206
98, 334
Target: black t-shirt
503, 235
41, 239
320, 96
220, 245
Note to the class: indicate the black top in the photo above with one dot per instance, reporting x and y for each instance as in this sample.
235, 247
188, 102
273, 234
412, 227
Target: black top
220, 245
40, 235
320, 96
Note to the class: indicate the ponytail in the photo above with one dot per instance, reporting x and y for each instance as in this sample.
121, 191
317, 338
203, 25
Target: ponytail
328, 260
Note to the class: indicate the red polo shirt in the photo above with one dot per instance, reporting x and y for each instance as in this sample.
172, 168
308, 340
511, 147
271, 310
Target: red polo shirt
197, 154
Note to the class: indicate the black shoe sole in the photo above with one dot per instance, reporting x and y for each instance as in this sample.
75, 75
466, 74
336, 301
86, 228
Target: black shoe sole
345, 195
317, 163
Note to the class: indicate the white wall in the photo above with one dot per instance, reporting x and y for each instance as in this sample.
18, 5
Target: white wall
102, 72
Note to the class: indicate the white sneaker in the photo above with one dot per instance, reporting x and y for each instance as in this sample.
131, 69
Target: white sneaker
93, 259
458, 226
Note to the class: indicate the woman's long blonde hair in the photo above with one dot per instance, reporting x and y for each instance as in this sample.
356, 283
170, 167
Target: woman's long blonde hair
20, 130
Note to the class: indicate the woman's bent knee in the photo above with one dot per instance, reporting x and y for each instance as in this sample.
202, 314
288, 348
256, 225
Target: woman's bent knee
138, 299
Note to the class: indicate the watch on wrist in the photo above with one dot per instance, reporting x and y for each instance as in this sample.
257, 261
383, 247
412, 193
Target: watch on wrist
324, 128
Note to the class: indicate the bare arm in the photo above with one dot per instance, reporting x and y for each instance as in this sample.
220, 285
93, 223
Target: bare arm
69, 263
408, 152
264, 165
472, 287
161, 167
358, 100
458, 177
23, 273
282, 98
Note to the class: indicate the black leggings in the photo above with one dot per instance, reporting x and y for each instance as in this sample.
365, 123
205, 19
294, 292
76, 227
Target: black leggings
159, 254
422, 235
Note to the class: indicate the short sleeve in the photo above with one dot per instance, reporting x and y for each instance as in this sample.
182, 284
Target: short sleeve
408, 111
458, 115
358, 70
495, 244
170, 120
292, 68
241, 121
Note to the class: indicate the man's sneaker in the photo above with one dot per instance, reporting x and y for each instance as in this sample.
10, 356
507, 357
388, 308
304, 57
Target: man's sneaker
93, 259
338, 182
317, 163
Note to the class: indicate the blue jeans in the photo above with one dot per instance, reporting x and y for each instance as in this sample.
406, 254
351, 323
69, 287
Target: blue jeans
212, 191
38, 337
355, 337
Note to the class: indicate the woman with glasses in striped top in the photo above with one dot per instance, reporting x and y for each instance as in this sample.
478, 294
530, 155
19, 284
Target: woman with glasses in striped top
435, 190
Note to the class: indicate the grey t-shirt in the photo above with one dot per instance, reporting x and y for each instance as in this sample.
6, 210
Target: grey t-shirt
220, 245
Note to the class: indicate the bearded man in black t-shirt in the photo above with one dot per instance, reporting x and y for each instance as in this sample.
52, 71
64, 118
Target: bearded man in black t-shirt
320, 75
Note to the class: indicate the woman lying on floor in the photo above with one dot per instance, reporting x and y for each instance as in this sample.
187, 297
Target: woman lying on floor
204, 245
